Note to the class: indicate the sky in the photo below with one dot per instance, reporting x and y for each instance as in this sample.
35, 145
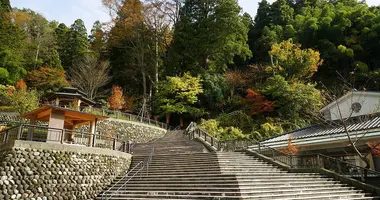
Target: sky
67, 11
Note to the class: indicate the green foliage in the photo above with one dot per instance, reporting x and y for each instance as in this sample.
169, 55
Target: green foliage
295, 101
207, 36
24, 101
236, 119
180, 94
222, 133
344, 32
267, 130
293, 62
215, 91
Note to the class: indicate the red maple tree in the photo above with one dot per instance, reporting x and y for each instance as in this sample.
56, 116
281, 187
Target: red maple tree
257, 103
375, 148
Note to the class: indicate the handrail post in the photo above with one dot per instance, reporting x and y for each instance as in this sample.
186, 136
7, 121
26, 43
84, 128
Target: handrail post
62, 136
318, 162
93, 140
20, 132
114, 144
212, 141
259, 147
290, 161
125, 147
5, 136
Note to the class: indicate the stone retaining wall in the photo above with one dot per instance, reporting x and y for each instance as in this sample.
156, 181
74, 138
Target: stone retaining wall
134, 131
36, 170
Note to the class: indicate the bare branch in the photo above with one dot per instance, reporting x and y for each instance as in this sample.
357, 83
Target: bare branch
89, 75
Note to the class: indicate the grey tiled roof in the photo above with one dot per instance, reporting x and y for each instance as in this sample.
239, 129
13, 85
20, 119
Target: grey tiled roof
331, 128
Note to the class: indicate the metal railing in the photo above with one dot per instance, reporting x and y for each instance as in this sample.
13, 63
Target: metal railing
115, 114
135, 170
345, 168
149, 160
321, 161
124, 116
46, 134
193, 131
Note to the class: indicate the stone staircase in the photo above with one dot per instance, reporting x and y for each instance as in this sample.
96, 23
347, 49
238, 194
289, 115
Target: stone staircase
183, 169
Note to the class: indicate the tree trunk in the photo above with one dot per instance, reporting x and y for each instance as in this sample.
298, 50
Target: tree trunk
376, 162
181, 122
144, 94
37, 55
167, 118
204, 61
157, 64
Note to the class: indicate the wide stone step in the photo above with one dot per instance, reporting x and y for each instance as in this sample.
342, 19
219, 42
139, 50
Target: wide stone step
243, 187
233, 195
152, 169
254, 182
267, 176
230, 191
257, 173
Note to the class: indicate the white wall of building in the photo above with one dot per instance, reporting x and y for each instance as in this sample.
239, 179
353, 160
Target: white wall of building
369, 101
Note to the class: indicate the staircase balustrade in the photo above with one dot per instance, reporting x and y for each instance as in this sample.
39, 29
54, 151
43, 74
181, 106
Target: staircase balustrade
134, 171
316, 161
149, 160
193, 131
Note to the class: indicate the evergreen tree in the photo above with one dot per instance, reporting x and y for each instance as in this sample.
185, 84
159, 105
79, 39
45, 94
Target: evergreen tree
78, 43
12, 47
97, 39
207, 36
62, 35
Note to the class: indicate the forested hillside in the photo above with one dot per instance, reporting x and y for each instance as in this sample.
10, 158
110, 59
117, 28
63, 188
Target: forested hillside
206, 61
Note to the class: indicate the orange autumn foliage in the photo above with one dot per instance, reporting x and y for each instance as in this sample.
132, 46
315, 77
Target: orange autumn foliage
291, 149
257, 103
129, 103
375, 146
116, 100
21, 85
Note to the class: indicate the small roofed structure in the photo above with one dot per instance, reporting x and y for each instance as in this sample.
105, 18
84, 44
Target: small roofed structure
68, 96
63, 119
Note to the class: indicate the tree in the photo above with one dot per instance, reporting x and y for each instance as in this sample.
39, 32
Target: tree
42, 46
89, 74
62, 33
12, 47
116, 100
47, 78
257, 103
291, 149
97, 39
221, 133
293, 62
216, 92
78, 43
207, 37
179, 95
23, 100
5, 6
295, 102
